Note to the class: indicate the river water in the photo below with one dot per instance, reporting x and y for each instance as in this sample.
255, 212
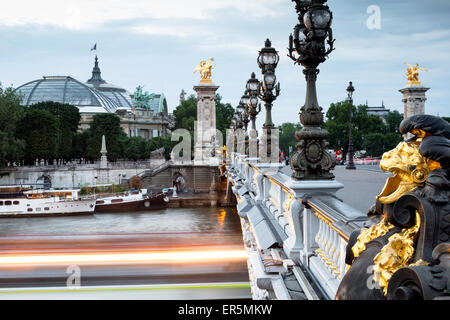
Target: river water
170, 220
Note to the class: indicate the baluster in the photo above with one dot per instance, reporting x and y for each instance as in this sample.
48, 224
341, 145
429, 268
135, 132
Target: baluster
342, 265
325, 242
329, 247
319, 236
334, 253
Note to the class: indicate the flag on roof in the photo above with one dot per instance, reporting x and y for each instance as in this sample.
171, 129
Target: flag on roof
94, 47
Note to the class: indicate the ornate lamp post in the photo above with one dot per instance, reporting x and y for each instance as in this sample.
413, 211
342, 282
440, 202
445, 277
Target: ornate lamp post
309, 45
268, 60
236, 123
350, 165
245, 117
254, 108
239, 110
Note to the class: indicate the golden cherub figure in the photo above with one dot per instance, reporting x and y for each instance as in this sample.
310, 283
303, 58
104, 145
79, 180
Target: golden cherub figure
413, 74
205, 68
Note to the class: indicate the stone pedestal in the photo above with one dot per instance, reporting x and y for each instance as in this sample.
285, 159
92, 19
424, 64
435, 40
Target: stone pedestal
205, 144
414, 99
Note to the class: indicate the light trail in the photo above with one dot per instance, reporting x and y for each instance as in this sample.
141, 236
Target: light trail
168, 256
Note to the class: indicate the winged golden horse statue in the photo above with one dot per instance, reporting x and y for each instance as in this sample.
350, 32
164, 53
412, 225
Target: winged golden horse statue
412, 72
204, 68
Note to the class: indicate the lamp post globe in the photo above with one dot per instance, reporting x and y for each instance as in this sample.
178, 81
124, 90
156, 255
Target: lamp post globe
268, 57
252, 85
252, 88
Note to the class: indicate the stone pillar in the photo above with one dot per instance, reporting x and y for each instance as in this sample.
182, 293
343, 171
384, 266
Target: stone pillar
206, 122
414, 99
103, 172
103, 151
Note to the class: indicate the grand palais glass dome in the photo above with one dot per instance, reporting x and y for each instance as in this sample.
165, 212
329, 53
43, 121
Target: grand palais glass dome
66, 90
94, 96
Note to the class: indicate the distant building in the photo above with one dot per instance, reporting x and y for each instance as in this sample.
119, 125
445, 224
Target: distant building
98, 96
379, 111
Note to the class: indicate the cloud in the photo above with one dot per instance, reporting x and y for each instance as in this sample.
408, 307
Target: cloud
387, 48
89, 14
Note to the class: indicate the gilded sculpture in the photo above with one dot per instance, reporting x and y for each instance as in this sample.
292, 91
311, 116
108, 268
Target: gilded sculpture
412, 72
404, 254
204, 68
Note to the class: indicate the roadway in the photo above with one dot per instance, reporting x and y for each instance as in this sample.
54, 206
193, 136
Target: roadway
361, 186
145, 266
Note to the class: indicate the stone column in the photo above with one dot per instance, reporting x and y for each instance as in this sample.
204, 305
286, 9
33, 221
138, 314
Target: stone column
206, 122
103, 172
103, 159
414, 99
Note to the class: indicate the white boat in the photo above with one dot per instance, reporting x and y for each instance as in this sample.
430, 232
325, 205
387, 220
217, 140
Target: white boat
18, 201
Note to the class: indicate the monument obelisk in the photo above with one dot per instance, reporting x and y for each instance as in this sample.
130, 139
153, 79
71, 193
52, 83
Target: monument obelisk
414, 92
205, 134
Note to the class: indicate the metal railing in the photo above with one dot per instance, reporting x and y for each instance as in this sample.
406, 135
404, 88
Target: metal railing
295, 233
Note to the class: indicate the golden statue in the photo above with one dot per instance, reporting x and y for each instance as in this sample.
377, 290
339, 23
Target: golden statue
408, 221
204, 68
413, 74
410, 170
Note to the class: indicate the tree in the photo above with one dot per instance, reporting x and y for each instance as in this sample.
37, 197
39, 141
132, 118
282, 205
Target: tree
374, 144
185, 114
12, 146
39, 128
393, 120
160, 142
135, 148
364, 126
68, 118
107, 124
80, 145
287, 136
446, 119
224, 114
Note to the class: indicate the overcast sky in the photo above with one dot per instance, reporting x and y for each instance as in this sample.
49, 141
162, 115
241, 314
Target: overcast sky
157, 44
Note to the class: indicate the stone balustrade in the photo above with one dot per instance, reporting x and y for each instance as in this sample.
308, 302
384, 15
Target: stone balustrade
295, 232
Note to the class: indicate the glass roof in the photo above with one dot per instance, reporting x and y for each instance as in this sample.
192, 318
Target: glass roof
65, 90
121, 99
158, 103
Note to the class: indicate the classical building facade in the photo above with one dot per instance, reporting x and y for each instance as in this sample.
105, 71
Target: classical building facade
97, 96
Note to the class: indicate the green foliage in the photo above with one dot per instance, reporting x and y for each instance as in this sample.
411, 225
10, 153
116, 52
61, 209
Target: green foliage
287, 136
393, 120
107, 124
68, 119
374, 144
160, 142
369, 132
39, 128
185, 114
135, 149
446, 119
224, 114
12, 147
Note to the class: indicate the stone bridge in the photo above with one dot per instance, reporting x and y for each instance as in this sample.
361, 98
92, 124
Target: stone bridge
296, 235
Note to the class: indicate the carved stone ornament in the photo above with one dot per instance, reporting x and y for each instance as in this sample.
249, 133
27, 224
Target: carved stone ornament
405, 254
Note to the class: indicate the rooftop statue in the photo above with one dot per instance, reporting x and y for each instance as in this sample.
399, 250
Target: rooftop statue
405, 253
413, 74
140, 99
204, 68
